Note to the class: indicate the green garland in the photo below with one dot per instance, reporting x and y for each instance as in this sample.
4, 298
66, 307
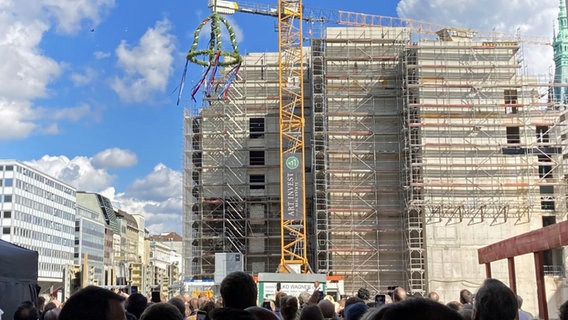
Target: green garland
215, 45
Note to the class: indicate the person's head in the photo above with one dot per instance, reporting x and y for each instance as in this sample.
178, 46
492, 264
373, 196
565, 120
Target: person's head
289, 307
202, 299
278, 299
193, 304
207, 306
519, 301
40, 303
136, 303
178, 303
371, 314
355, 311
466, 313
466, 297
563, 311
161, 311
363, 294
238, 290
230, 314
327, 308
93, 303
399, 294
417, 309
311, 312
434, 296
52, 314
48, 306
454, 305
261, 313
303, 298
495, 301
26, 311
352, 300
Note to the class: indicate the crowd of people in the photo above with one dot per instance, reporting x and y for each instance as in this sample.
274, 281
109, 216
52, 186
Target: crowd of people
238, 301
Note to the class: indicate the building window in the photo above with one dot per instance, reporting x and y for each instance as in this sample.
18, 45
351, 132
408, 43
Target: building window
513, 135
6, 230
510, 97
256, 181
7, 198
542, 134
8, 182
256, 128
7, 214
545, 172
9, 168
547, 205
553, 265
544, 158
256, 158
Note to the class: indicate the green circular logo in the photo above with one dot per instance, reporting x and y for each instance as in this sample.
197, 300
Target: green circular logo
292, 162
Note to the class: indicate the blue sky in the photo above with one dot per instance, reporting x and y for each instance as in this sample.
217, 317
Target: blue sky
88, 88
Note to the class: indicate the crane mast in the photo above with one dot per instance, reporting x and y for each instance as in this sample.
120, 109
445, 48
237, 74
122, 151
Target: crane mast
293, 254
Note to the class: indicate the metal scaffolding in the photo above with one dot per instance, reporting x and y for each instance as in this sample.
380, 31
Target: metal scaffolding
357, 105
231, 149
482, 142
402, 134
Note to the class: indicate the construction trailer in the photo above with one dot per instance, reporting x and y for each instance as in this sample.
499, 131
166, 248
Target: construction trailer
418, 152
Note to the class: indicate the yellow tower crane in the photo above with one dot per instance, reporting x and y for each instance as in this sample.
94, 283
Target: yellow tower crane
293, 249
293, 258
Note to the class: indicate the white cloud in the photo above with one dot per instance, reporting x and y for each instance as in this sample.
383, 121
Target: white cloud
157, 196
77, 172
25, 72
530, 17
83, 79
70, 13
71, 114
19, 119
99, 55
239, 33
15, 119
114, 158
161, 184
147, 66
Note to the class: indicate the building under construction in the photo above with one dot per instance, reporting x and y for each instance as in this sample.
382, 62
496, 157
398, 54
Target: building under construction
418, 152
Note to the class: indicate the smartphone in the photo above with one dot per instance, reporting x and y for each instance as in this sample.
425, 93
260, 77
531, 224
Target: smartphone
266, 305
201, 315
380, 299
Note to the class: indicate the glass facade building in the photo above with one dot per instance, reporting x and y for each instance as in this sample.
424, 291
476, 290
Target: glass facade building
38, 212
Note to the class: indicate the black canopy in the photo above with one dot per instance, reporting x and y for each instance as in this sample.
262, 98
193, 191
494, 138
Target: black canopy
18, 277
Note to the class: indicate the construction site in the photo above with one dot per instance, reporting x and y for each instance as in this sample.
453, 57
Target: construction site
420, 148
